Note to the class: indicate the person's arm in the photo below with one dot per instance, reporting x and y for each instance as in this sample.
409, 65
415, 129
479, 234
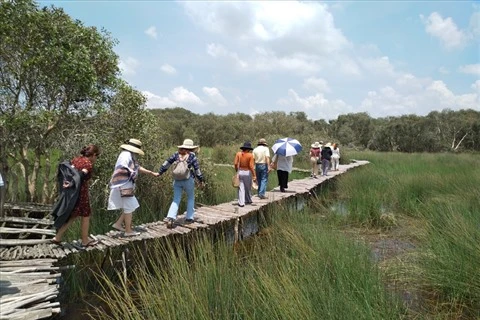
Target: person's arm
168, 163
196, 169
143, 170
251, 165
236, 162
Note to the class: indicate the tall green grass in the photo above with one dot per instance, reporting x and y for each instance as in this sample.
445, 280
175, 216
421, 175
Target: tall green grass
299, 269
440, 191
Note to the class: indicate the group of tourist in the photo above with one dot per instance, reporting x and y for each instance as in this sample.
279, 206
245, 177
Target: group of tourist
326, 156
252, 165
74, 183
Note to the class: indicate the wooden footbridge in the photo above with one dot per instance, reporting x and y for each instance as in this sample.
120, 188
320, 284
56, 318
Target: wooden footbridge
31, 269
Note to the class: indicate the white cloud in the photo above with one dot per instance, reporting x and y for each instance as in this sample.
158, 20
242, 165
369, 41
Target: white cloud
470, 68
476, 87
287, 35
316, 84
157, 102
128, 66
151, 32
168, 69
443, 70
215, 96
219, 51
179, 96
446, 30
316, 106
185, 97
378, 66
417, 96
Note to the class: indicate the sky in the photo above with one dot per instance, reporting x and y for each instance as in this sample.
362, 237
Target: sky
386, 58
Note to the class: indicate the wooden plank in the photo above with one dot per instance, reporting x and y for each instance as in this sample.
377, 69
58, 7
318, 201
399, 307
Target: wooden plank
27, 230
22, 242
24, 220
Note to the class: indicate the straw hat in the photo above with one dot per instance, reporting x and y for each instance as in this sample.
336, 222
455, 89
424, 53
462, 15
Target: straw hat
262, 142
316, 145
187, 144
133, 145
328, 145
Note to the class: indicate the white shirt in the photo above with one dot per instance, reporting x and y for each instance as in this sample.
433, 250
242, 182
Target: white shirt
284, 163
260, 154
1, 181
336, 153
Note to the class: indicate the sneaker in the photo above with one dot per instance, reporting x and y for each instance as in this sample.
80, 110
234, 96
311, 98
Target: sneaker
189, 221
262, 197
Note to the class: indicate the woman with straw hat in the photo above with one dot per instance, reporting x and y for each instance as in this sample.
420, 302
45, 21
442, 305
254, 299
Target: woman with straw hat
183, 180
122, 185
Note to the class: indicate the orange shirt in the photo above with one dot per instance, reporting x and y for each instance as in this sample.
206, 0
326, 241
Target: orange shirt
244, 161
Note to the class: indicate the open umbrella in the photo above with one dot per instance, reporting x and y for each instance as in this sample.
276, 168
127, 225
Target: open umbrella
287, 147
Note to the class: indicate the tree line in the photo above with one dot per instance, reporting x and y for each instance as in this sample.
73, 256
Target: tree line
60, 89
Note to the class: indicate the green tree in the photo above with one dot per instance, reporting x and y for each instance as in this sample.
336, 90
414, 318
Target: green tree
53, 69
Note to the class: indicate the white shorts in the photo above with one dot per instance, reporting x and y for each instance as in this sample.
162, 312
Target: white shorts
127, 204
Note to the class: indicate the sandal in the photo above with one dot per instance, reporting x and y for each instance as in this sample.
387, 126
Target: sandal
90, 243
56, 242
131, 234
117, 228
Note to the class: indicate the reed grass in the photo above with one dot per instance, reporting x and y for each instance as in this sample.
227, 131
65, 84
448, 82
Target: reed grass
299, 269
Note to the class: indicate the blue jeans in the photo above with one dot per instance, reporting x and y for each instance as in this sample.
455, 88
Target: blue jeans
261, 170
178, 186
325, 166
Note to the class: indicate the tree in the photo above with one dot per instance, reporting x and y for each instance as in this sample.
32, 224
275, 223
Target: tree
52, 69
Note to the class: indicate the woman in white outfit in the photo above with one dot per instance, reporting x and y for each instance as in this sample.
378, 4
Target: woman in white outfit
335, 157
122, 185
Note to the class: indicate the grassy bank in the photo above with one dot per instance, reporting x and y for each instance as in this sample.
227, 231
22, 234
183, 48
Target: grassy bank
297, 269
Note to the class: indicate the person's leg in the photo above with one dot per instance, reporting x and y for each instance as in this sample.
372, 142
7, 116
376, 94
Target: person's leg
314, 166
62, 229
259, 173
279, 177
190, 190
127, 218
119, 223
262, 180
241, 189
177, 196
84, 225
282, 179
248, 187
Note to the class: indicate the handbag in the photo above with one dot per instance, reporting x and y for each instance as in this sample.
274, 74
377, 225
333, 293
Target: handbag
127, 192
235, 180
319, 160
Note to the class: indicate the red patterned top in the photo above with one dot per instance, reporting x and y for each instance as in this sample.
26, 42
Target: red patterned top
82, 208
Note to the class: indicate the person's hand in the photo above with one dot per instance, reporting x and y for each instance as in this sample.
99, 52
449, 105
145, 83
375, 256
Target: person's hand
155, 174
66, 184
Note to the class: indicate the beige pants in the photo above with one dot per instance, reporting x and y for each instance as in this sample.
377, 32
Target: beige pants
313, 162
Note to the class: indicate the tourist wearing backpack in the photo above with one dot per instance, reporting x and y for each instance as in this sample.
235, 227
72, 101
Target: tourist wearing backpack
185, 169
74, 201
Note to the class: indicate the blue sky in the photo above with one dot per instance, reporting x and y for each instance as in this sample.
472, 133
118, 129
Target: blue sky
322, 58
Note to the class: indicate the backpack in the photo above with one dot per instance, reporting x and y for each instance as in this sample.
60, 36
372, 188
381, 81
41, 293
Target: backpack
181, 171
